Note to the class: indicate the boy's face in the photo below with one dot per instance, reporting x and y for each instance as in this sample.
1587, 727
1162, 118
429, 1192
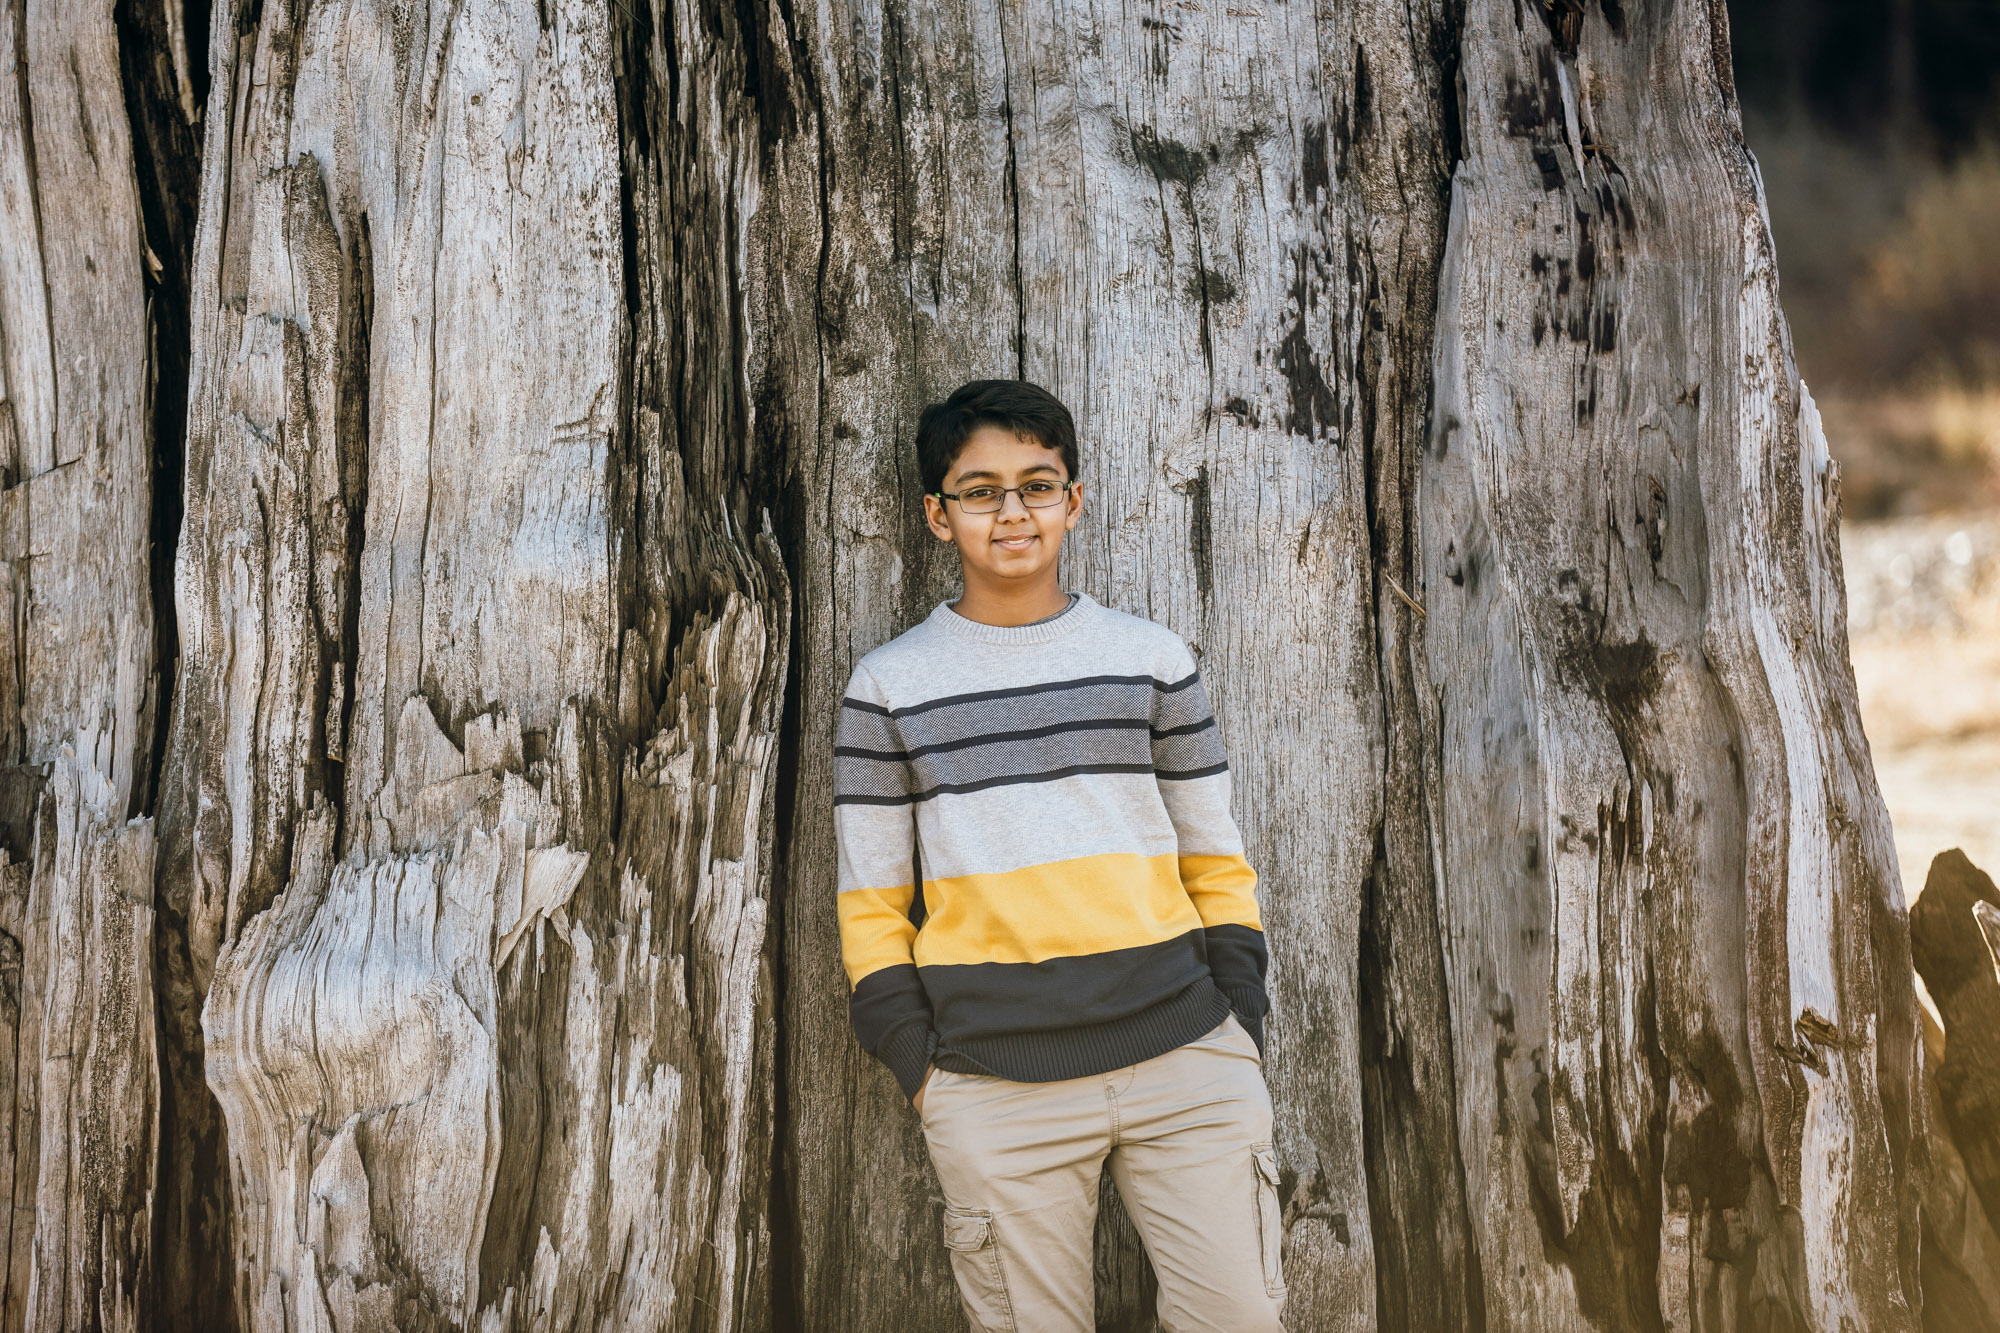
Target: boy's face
1016, 542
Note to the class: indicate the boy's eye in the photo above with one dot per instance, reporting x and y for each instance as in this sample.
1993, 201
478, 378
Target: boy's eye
1038, 488
980, 493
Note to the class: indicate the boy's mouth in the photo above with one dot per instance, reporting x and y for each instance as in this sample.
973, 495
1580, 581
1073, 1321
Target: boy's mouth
1014, 543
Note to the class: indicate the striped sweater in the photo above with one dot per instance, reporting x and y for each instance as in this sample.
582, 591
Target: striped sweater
1039, 874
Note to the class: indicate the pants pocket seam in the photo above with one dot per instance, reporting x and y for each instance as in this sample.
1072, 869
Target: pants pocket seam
1270, 1219
984, 1237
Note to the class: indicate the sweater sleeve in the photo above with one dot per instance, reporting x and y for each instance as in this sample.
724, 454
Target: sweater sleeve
874, 827
1193, 774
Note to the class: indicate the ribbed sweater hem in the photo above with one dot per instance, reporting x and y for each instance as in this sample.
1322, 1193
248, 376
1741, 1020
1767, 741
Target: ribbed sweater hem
1250, 1004
1044, 1057
906, 1051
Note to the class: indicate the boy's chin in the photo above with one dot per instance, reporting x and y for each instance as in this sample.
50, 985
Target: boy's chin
1025, 563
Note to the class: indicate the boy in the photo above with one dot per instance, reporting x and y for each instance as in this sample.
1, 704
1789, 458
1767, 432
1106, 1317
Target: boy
1088, 982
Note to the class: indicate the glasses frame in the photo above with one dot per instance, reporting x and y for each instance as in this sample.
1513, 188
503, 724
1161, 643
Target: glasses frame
1061, 495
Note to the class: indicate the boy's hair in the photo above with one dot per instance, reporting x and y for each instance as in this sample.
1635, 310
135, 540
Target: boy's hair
1015, 405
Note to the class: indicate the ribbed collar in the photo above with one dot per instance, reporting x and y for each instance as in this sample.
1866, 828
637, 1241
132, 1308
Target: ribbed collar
1048, 631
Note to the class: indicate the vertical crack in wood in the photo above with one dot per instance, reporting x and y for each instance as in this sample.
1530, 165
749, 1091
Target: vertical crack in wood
1013, 185
191, 1256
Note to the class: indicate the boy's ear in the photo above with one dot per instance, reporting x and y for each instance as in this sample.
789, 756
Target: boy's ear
934, 518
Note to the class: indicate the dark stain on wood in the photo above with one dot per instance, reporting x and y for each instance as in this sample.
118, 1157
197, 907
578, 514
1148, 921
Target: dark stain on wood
1565, 20
1209, 287
1160, 49
1312, 402
1533, 111
1364, 94
1200, 536
1169, 161
1428, 1273
1312, 166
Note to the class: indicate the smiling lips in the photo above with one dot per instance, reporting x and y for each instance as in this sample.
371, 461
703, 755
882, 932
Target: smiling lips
1014, 543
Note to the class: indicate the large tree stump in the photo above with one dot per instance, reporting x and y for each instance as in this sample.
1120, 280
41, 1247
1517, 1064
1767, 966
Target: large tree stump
549, 372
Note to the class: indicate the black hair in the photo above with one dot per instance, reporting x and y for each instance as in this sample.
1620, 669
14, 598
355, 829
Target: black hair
1016, 405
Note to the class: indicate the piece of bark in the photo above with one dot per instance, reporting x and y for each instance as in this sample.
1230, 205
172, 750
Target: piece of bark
1956, 956
1961, 1263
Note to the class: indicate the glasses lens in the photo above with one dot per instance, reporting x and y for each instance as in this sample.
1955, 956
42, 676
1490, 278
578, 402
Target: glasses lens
991, 499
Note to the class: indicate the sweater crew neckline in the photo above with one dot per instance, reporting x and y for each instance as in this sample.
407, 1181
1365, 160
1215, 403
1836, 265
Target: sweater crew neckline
1040, 631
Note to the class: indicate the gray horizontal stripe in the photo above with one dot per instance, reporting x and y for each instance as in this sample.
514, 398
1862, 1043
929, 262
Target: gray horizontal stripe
865, 731
965, 742
1188, 754
1183, 708
973, 763
1040, 712
898, 755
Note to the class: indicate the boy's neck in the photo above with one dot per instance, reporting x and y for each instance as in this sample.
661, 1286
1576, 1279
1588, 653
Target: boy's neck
1011, 606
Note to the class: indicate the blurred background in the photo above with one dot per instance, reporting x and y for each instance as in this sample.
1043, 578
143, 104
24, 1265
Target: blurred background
1876, 125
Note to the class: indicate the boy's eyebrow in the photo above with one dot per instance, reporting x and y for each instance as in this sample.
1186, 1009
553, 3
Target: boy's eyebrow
964, 477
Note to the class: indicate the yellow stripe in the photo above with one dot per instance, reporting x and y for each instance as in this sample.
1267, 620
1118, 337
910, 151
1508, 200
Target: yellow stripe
875, 929
1224, 890
1090, 904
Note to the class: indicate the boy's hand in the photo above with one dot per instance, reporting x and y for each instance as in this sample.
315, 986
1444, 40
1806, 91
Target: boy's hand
917, 1101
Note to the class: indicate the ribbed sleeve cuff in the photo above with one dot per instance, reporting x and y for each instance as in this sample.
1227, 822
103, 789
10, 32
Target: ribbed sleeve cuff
1250, 1004
907, 1051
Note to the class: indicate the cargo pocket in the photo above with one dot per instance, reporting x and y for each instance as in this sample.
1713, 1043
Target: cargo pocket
975, 1262
1270, 1221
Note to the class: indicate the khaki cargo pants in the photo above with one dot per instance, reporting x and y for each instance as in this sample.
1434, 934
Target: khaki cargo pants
1188, 1138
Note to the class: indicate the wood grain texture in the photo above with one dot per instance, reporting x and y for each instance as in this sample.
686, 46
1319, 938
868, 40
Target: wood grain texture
1558, 592
467, 804
79, 689
1674, 937
75, 513
87, 1108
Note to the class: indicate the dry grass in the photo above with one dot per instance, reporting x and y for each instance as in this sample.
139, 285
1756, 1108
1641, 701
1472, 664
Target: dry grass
1889, 267
1915, 451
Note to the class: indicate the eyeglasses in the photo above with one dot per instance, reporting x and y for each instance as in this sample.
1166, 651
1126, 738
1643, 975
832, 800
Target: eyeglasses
990, 499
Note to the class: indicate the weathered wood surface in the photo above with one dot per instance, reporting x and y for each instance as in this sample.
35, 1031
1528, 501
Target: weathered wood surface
1683, 1025
551, 372
467, 806
80, 696
1178, 221
1600, 825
